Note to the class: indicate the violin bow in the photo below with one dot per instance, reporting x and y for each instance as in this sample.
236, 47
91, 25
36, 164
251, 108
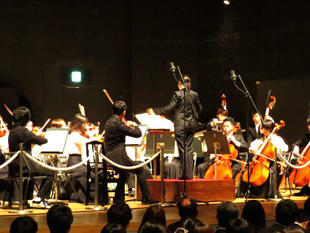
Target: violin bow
108, 96
8, 109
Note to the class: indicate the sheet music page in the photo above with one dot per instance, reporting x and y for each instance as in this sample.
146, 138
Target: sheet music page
155, 121
56, 140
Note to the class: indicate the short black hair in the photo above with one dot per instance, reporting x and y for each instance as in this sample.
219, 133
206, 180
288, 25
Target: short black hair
119, 107
226, 212
229, 119
152, 227
187, 208
302, 216
286, 212
222, 111
239, 225
113, 228
268, 125
119, 213
254, 213
59, 218
24, 224
21, 116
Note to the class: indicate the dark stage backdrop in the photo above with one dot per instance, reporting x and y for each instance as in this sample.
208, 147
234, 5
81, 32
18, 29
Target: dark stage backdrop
127, 46
293, 97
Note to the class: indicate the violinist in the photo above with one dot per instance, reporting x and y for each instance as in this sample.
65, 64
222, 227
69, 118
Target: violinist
266, 189
216, 123
235, 138
76, 151
297, 147
20, 134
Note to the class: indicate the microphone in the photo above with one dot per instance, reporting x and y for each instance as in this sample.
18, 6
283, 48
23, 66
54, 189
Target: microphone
172, 67
233, 76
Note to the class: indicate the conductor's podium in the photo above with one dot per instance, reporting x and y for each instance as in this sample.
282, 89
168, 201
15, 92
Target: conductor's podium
199, 189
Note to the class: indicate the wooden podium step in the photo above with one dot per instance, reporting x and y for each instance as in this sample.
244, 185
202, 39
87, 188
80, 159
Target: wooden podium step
199, 189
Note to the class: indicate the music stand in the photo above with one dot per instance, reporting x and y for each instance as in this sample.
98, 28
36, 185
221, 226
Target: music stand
56, 142
216, 144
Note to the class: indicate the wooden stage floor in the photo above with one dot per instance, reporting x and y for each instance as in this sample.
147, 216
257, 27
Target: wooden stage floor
86, 221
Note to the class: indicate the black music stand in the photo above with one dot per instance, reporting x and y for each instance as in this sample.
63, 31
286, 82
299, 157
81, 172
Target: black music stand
216, 144
56, 142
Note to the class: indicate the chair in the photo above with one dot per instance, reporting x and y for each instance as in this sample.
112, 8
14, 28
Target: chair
106, 174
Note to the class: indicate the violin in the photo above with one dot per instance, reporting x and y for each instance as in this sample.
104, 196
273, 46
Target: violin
39, 130
301, 177
258, 171
3, 128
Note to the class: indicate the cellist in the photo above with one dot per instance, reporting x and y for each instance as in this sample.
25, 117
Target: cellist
301, 144
236, 144
266, 189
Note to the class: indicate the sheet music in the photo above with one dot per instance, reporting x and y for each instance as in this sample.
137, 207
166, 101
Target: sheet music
155, 121
131, 141
56, 140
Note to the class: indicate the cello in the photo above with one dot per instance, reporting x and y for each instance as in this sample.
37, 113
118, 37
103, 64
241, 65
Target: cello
258, 171
221, 169
301, 177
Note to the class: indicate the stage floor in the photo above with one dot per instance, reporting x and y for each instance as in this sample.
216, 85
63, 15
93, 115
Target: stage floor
86, 220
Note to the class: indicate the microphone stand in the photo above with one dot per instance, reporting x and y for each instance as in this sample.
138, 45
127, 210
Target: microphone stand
247, 94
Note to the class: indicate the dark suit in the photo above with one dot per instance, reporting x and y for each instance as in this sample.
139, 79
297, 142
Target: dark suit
253, 134
185, 125
114, 143
22, 135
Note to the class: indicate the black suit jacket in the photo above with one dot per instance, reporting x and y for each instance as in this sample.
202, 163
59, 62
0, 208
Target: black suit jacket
114, 140
19, 135
177, 103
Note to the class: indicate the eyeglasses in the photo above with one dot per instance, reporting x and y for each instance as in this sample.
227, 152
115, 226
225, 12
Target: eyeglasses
181, 230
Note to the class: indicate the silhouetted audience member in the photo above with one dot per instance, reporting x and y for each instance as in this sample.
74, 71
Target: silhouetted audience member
154, 213
193, 225
286, 211
152, 227
239, 225
113, 228
187, 209
59, 218
293, 229
307, 205
24, 224
254, 213
119, 213
302, 220
225, 213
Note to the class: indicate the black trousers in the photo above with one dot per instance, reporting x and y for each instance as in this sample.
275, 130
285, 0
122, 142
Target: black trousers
184, 139
142, 173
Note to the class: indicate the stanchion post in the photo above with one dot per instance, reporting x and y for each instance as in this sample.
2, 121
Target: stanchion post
161, 147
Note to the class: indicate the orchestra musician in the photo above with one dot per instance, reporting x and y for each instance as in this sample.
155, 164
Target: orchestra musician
185, 122
237, 144
20, 134
254, 132
76, 150
297, 147
116, 129
268, 189
215, 125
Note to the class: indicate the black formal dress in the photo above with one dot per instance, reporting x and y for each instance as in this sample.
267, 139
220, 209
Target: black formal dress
114, 143
185, 125
22, 135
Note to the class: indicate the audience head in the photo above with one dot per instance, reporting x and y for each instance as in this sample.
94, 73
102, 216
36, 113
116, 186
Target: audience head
254, 213
226, 212
293, 228
239, 225
154, 213
59, 218
286, 211
21, 116
187, 208
152, 227
119, 107
193, 225
119, 213
24, 224
303, 218
113, 228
